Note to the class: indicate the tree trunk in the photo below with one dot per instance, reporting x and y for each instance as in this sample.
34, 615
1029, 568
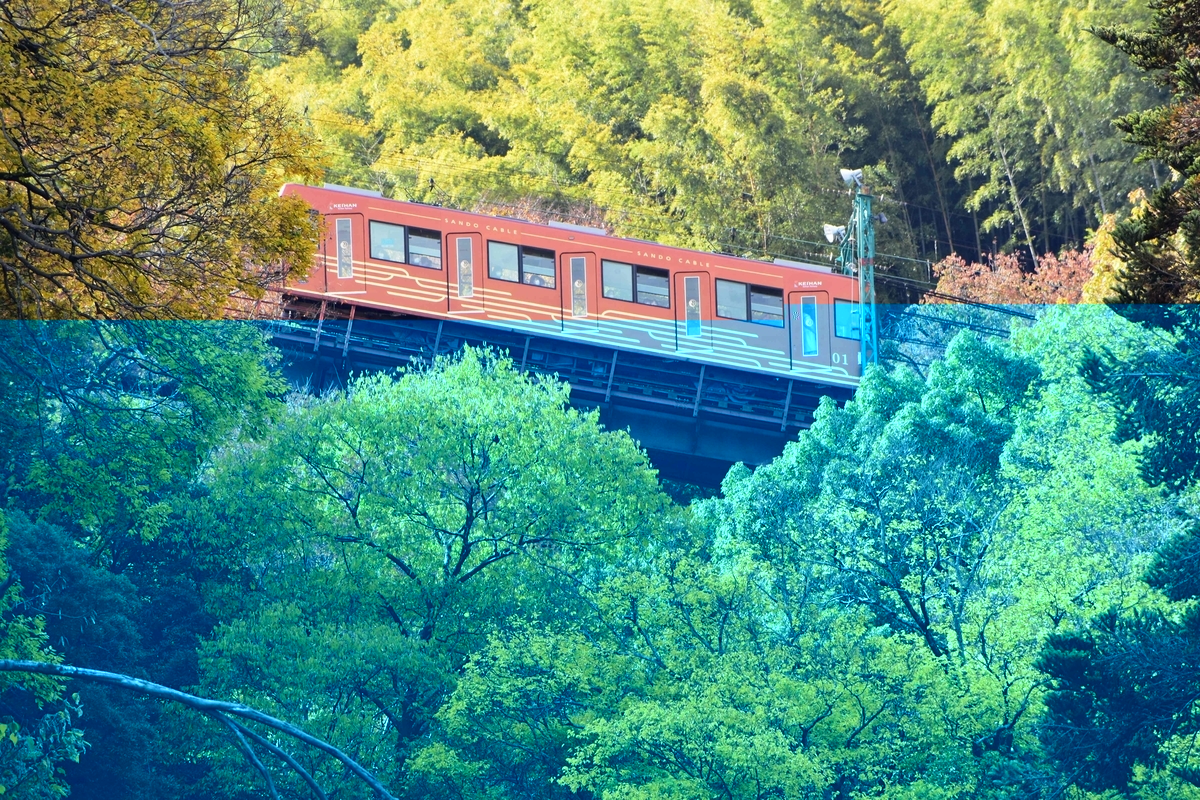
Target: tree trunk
937, 184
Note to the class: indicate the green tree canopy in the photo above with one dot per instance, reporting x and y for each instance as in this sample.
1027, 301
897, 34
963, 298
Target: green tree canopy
106, 422
30, 754
861, 616
1025, 92
386, 532
1125, 688
1160, 242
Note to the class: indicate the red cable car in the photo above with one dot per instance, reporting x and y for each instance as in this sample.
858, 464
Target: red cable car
783, 318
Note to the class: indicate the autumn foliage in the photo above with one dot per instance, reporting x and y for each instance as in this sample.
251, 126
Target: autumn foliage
1056, 279
139, 161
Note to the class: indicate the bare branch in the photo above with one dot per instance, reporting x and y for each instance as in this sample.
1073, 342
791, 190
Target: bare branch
283, 756
201, 704
249, 753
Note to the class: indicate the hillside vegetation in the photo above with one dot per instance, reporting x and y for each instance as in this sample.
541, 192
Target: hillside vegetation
939, 590
986, 125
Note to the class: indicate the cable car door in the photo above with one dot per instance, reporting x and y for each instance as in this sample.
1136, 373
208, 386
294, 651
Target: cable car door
810, 322
316, 280
465, 251
345, 254
579, 283
693, 311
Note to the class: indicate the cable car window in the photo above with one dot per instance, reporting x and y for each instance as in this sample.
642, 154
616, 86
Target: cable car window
466, 267
761, 304
618, 280
731, 299
345, 248
511, 262
845, 320
652, 287
766, 306
387, 242
809, 342
645, 285
691, 306
579, 287
424, 248
503, 263
537, 267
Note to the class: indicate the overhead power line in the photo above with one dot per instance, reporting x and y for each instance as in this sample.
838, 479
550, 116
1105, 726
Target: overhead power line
631, 215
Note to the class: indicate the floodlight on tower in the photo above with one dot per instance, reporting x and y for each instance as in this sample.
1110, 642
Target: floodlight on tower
834, 233
852, 177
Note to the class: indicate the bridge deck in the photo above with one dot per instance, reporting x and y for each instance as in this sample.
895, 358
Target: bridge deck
694, 420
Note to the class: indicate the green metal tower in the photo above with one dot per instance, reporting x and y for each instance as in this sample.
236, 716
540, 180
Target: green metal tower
858, 258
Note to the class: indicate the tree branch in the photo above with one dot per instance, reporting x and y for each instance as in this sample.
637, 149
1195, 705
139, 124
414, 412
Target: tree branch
248, 752
201, 704
283, 756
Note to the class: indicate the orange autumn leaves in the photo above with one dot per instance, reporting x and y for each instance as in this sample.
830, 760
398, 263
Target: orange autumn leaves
1003, 281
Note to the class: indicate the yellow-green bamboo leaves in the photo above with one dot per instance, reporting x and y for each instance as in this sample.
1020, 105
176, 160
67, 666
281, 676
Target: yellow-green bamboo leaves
1026, 94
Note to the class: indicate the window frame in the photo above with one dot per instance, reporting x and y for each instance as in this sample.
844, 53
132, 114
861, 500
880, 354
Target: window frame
717, 302
769, 291
424, 233
407, 233
577, 267
604, 265
849, 306
553, 256
634, 270
344, 256
809, 301
656, 272
466, 277
748, 308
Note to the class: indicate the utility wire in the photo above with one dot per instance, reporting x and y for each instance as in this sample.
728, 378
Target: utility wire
401, 160
594, 157
627, 212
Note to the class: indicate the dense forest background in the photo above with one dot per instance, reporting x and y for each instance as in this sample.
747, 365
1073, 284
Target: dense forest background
977, 579
475, 591
986, 127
